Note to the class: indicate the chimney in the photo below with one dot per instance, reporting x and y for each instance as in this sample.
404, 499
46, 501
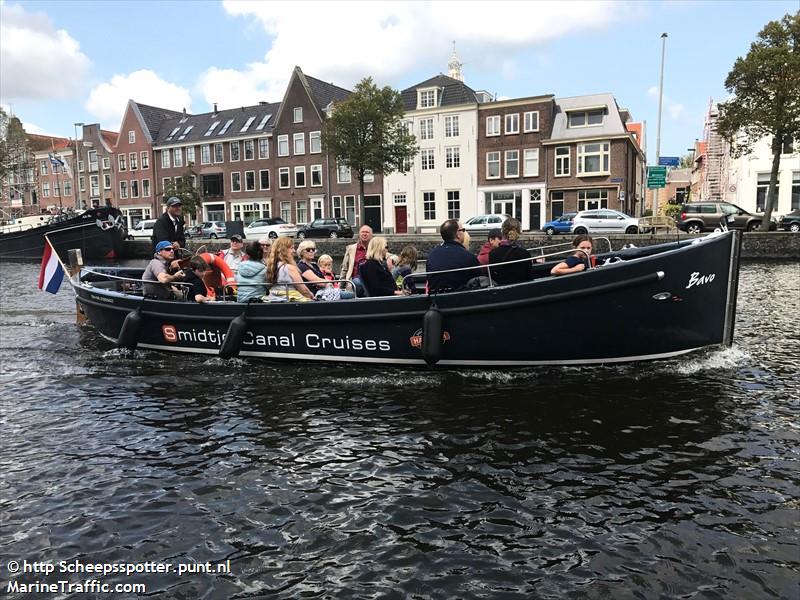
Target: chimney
215, 109
184, 111
262, 103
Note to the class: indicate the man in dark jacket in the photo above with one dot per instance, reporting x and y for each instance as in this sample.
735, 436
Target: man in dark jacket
169, 226
450, 254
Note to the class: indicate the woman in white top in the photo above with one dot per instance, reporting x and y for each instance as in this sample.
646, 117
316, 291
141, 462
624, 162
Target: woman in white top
282, 269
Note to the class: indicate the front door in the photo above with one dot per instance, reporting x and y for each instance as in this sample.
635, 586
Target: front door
400, 219
535, 213
372, 212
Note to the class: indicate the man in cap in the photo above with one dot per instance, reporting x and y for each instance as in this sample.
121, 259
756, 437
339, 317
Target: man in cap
157, 272
234, 255
169, 226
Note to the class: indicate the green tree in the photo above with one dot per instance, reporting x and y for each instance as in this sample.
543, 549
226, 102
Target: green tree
367, 134
185, 188
766, 103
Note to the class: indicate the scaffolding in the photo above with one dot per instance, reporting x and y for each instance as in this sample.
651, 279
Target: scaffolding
717, 159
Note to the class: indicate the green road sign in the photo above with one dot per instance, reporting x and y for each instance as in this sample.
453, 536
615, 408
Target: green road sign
656, 177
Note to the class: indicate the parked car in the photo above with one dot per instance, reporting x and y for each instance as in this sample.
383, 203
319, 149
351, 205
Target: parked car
142, 230
208, 229
483, 223
604, 220
327, 228
271, 227
790, 222
697, 217
561, 224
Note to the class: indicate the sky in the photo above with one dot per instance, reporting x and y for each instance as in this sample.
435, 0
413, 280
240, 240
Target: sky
65, 62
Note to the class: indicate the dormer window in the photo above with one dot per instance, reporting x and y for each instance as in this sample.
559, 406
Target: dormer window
585, 118
426, 98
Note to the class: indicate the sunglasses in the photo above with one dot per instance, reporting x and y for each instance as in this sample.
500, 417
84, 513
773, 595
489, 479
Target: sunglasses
462, 229
311, 249
168, 250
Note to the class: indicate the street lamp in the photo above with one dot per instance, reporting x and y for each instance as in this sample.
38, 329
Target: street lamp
75, 166
658, 129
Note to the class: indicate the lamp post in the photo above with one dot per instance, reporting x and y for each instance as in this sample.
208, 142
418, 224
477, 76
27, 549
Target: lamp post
658, 128
75, 167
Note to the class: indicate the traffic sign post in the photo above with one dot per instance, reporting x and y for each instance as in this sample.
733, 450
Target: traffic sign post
656, 177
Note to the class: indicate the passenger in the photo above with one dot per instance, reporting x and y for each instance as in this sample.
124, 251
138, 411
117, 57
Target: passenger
169, 226
325, 264
266, 246
306, 251
251, 278
332, 291
234, 255
465, 241
198, 290
509, 250
450, 254
283, 274
374, 273
492, 242
354, 255
156, 271
577, 262
406, 264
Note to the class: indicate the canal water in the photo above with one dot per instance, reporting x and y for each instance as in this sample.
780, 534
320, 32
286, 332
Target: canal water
676, 479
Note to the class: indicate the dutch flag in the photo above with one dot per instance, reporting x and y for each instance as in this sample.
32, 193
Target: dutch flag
51, 273
56, 160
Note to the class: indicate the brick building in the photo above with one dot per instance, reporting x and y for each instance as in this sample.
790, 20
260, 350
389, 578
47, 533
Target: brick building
95, 167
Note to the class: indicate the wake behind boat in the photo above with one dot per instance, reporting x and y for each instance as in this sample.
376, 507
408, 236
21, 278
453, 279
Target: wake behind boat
644, 303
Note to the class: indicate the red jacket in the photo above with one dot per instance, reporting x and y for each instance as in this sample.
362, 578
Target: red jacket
483, 254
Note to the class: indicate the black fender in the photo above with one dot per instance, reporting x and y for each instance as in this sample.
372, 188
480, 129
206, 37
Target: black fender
232, 343
129, 334
432, 336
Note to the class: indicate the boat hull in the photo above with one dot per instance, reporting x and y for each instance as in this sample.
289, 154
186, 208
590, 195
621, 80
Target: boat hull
651, 305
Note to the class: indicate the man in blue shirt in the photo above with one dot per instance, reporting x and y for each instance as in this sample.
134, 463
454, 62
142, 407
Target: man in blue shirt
451, 254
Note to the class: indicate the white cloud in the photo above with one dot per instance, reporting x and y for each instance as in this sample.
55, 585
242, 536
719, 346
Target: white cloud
37, 61
389, 39
107, 101
674, 109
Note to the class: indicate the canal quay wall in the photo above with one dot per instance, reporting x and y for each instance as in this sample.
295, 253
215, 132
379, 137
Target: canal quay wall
774, 245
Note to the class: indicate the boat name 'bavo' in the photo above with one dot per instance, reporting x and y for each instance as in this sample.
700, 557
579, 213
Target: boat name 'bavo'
311, 341
697, 279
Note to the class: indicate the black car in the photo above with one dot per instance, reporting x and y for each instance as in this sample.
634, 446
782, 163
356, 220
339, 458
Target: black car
325, 228
790, 222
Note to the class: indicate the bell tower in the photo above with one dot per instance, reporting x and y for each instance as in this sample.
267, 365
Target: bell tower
454, 65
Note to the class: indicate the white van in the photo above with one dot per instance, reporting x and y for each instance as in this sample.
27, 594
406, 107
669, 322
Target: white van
142, 230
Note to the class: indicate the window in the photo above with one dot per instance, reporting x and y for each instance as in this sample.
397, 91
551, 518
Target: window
426, 129
211, 129
56, 190
236, 181
531, 166
492, 165
585, 118
315, 142
134, 189
131, 137
399, 198
429, 206
263, 121
286, 211
562, 161
592, 199
283, 145
493, 125
556, 204
189, 155
212, 184
46, 189
165, 159
263, 148
283, 177
225, 127
172, 133
795, 190
512, 123
762, 187
121, 158
302, 211
249, 152
123, 189
531, 121
145, 188
298, 114
512, 163
350, 209
107, 161
82, 184
593, 159
452, 157
234, 151
336, 203
249, 181
426, 157
263, 179
299, 177
94, 185
43, 168
247, 124
369, 176
205, 154
177, 157
145, 156
218, 156
184, 134
343, 174
316, 175
454, 204
299, 141
68, 188
92, 156
106, 181
451, 126
426, 98
165, 183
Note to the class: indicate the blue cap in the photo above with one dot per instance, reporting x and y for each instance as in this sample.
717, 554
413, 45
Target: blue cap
174, 201
163, 245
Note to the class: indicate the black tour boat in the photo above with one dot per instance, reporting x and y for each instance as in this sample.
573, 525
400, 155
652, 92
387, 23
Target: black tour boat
644, 303
98, 233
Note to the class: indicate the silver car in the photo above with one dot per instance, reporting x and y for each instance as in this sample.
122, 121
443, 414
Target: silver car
484, 223
604, 220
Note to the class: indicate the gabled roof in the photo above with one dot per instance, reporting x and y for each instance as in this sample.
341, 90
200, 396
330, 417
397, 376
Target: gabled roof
109, 137
324, 93
200, 124
153, 116
453, 92
38, 143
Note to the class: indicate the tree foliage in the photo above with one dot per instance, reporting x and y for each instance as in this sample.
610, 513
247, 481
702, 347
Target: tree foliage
185, 188
367, 134
766, 102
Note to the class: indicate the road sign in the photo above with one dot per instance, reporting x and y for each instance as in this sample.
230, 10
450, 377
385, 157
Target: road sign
669, 161
656, 177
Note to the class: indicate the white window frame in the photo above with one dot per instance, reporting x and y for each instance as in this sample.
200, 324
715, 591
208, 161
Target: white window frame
231, 146
511, 123
249, 147
260, 179
221, 154
493, 126
343, 174
604, 154
586, 114
297, 171
316, 169
426, 129
369, 176
284, 171
107, 163
452, 157
601, 199
106, 181
190, 155
429, 206
239, 178
165, 183
561, 161
123, 189
144, 160
205, 154
94, 185
165, 159
177, 157
506, 163
299, 138
249, 189
426, 98
493, 157
263, 148
145, 188
122, 162
132, 162
451, 126
131, 137
454, 204
530, 155
336, 206
315, 136
297, 114
427, 159
283, 141
286, 211
134, 188
527, 126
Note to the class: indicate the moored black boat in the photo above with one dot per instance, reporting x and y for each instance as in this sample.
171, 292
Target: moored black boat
645, 303
98, 233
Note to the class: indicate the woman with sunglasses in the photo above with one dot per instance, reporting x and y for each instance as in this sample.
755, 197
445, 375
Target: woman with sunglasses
309, 270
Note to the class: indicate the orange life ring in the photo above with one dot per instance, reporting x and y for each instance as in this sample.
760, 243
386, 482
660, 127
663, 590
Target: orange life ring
221, 274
